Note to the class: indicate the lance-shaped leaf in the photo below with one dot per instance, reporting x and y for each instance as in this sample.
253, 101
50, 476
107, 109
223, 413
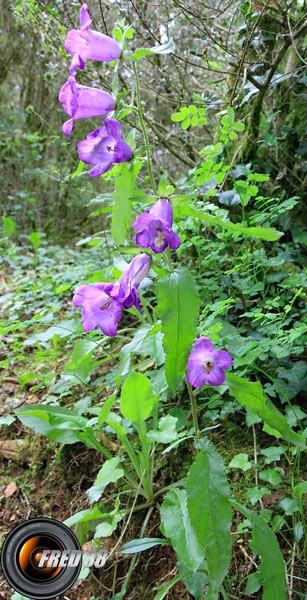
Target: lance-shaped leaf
265, 544
210, 512
162, 49
262, 233
124, 186
252, 396
177, 526
178, 310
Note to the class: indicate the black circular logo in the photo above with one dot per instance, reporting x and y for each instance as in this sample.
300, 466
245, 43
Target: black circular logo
41, 558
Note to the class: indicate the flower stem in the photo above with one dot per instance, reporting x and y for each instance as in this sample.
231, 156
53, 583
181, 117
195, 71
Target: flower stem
194, 411
143, 127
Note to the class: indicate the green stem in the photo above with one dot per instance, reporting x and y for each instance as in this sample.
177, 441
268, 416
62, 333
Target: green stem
194, 411
143, 127
148, 470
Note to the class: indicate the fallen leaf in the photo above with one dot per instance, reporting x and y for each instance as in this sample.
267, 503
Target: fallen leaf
11, 449
10, 489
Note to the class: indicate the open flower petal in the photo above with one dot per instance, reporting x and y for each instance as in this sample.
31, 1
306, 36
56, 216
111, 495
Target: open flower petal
154, 228
101, 149
206, 364
98, 309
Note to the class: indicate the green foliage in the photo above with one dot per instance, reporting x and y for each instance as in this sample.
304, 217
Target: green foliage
265, 544
177, 526
178, 306
136, 400
210, 512
252, 395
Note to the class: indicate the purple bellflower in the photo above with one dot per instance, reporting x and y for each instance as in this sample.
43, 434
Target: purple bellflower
85, 43
98, 308
125, 291
155, 228
103, 302
103, 147
206, 364
81, 102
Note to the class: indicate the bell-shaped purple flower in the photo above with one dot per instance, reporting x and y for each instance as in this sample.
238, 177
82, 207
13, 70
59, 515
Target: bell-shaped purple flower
155, 228
125, 291
103, 302
206, 364
81, 102
98, 308
103, 147
86, 43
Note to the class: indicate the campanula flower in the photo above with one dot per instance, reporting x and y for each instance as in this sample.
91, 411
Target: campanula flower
206, 364
125, 291
103, 147
81, 102
155, 228
85, 43
103, 302
98, 308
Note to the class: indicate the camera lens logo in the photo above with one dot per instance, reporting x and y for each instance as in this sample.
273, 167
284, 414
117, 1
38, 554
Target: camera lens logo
40, 558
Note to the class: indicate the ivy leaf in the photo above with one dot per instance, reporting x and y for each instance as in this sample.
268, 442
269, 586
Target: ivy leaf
178, 308
210, 513
240, 461
109, 473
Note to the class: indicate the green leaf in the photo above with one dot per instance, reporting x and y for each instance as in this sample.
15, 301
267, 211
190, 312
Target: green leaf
104, 413
219, 178
136, 400
233, 135
169, 585
163, 49
262, 233
79, 170
167, 430
185, 124
177, 526
124, 185
178, 307
109, 473
8, 226
231, 114
210, 512
271, 476
240, 461
35, 240
265, 544
254, 494
238, 126
254, 583
162, 189
272, 453
180, 116
252, 395
139, 545
82, 347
